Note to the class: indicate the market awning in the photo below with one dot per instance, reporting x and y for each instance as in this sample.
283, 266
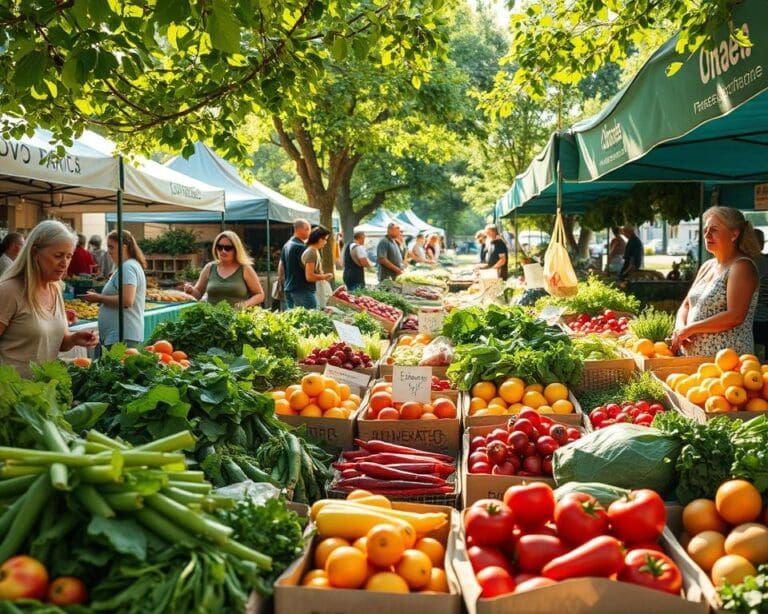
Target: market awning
409, 217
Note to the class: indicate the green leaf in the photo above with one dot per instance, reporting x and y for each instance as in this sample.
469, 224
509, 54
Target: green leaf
125, 536
212, 430
672, 68
223, 27
29, 69
85, 415
741, 37
169, 395
171, 11
416, 81
339, 49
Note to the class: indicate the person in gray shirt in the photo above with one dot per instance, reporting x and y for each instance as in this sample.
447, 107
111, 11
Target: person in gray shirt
388, 254
106, 266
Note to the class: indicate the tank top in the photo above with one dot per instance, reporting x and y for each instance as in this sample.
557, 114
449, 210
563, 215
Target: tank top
231, 289
354, 275
708, 300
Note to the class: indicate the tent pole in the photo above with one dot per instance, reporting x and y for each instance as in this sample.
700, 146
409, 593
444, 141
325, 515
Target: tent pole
121, 186
701, 223
268, 291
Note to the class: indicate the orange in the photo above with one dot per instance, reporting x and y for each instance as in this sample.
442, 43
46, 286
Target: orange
166, 358
361, 543
753, 380
283, 407
644, 347
405, 340
277, 394
313, 384
555, 392
717, 405
475, 404
749, 357
709, 369
433, 549
332, 384
512, 390
544, 409
299, 400
498, 401
534, 399
749, 365
422, 338
438, 581
314, 573
706, 548
346, 567
318, 582
390, 413
715, 387
291, 389
701, 515
82, 361
562, 406
534, 388
428, 415
379, 401
731, 378
385, 545
515, 408
163, 347
444, 408
415, 567
387, 582
344, 391
662, 349
380, 387
736, 395
328, 399
334, 412
756, 404
493, 410
411, 410
325, 547
179, 355
738, 501
354, 398
484, 390
350, 405
727, 360
732, 568
674, 378
697, 395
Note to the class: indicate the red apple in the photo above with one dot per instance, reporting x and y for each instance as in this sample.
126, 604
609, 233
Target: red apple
67, 590
22, 577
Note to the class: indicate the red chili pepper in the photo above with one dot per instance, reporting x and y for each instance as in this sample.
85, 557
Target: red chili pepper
391, 458
342, 466
353, 454
388, 473
350, 473
435, 468
407, 492
375, 445
368, 483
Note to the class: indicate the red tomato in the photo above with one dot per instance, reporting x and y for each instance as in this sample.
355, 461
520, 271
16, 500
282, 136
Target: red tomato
638, 517
652, 569
579, 518
535, 551
494, 581
533, 505
497, 435
480, 467
530, 414
489, 522
524, 425
497, 451
481, 557
478, 457
504, 468
597, 417
599, 557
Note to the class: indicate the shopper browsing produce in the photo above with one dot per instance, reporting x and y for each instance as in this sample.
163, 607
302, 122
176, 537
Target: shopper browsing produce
311, 260
33, 324
720, 305
230, 276
298, 291
355, 261
388, 253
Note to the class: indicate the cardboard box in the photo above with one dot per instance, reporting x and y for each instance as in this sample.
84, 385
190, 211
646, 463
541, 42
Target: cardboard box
582, 595
476, 486
292, 598
442, 435
573, 419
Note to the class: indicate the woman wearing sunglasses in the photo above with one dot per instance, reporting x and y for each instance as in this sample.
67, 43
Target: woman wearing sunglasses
230, 276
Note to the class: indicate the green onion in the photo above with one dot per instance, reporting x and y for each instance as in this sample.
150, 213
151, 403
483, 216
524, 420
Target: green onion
129, 501
195, 523
15, 486
93, 501
34, 501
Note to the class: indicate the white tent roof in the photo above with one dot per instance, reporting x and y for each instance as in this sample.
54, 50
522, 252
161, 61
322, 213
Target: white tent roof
86, 179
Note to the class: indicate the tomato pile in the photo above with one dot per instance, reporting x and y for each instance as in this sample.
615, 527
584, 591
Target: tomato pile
607, 322
440, 384
528, 540
366, 303
338, 355
639, 412
524, 447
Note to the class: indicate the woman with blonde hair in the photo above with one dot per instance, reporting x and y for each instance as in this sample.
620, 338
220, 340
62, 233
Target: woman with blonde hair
134, 294
720, 306
230, 276
33, 323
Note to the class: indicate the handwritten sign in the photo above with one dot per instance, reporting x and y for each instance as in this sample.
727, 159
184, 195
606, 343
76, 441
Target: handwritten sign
349, 334
551, 314
411, 384
345, 376
430, 320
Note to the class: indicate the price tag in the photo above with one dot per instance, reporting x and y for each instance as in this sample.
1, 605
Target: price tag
411, 384
551, 314
430, 320
349, 334
345, 376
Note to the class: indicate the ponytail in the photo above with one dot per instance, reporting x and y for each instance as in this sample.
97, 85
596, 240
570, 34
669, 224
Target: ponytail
134, 251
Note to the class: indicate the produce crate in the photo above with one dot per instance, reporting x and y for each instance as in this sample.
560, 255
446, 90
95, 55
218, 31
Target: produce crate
448, 499
677, 363
385, 370
599, 374
476, 486
442, 435
292, 598
584, 595
369, 371
691, 409
389, 325
573, 419
567, 318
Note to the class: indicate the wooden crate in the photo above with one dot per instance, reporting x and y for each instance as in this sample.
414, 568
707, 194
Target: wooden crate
599, 374
388, 325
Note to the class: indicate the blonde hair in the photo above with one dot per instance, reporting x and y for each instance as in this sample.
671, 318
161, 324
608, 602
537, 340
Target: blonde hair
134, 251
241, 255
25, 267
746, 241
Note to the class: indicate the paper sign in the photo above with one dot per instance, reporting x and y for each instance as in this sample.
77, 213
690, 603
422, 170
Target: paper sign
411, 384
551, 314
345, 376
430, 321
349, 334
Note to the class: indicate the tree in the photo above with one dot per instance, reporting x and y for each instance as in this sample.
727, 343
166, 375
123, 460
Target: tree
170, 72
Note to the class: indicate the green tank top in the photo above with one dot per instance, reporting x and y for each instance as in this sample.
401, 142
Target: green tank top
231, 289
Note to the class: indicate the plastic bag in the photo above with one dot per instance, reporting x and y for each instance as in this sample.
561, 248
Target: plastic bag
323, 291
439, 353
559, 275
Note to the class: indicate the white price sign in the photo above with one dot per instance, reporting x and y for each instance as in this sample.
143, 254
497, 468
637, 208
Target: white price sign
349, 334
345, 376
551, 314
411, 384
430, 321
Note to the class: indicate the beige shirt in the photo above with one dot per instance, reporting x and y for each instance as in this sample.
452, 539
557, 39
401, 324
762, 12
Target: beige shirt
28, 337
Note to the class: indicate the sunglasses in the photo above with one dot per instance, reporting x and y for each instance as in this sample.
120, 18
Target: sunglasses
225, 248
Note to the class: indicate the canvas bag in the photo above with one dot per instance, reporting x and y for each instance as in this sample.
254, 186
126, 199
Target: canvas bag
559, 275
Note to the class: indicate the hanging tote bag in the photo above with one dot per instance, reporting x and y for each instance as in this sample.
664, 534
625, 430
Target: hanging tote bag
323, 291
559, 275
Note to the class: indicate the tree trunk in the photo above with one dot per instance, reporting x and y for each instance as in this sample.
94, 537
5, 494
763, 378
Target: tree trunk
585, 236
568, 224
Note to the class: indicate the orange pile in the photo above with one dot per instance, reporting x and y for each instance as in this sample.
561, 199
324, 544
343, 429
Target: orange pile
420, 339
731, 383
317, 396
512, 396
165, 352
649, 349
382, 407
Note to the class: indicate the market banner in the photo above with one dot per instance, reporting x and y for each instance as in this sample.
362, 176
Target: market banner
655, 108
